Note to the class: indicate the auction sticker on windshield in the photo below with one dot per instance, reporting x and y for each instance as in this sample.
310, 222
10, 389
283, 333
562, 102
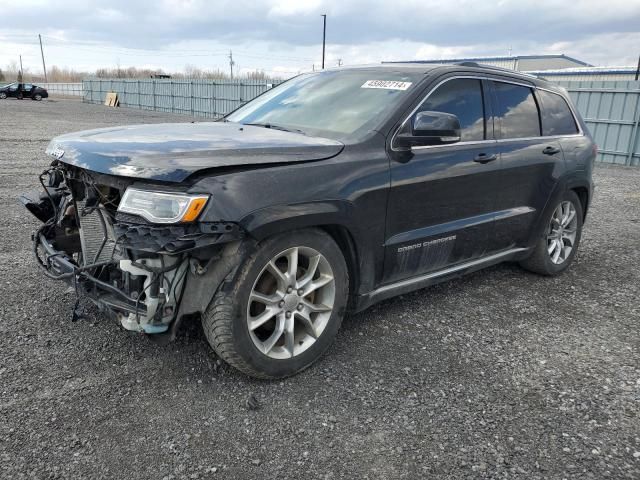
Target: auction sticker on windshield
386, 84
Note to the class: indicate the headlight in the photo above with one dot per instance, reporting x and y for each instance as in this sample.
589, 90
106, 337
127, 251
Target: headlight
161, 207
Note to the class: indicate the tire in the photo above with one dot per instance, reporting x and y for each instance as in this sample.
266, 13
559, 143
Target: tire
548, 259
3, 95
37, 97
268, 350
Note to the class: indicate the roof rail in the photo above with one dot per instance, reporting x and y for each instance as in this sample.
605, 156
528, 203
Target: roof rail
499, 69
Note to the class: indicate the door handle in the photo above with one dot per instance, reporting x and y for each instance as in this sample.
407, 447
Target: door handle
485, 157
551, 150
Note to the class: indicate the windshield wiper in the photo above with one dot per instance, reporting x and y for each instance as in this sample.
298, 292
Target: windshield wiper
275, 127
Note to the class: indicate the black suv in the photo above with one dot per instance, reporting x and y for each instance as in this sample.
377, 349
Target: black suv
328, 193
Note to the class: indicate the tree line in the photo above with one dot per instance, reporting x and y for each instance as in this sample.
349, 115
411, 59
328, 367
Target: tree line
63, 74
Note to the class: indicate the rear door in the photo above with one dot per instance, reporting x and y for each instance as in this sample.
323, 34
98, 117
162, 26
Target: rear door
442, 198
558, 121
26, 89
531, 164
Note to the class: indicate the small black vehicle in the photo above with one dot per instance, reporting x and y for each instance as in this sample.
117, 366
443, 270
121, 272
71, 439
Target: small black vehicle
23, 90
326, 194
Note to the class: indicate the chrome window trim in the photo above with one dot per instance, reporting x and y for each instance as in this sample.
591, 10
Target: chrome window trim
470, 142
493, 140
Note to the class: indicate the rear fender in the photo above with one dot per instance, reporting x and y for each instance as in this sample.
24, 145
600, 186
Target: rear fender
565, 184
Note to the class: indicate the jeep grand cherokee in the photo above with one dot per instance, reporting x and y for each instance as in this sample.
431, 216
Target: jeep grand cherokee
328, 193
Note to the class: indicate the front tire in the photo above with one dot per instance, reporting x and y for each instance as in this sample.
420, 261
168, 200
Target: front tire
554, 252
3, 95
282, 309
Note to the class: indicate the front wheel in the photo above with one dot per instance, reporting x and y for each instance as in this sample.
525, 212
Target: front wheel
281, 311
3, 95
555, 251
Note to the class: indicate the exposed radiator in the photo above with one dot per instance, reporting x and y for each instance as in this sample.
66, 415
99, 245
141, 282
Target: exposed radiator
96, 235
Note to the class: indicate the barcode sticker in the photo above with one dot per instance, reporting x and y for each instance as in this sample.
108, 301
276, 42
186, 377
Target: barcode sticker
386, 84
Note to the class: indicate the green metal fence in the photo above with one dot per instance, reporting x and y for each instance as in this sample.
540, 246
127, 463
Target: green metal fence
612, 113
200, 98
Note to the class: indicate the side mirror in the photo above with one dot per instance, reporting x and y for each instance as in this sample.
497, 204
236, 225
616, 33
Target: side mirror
431, 128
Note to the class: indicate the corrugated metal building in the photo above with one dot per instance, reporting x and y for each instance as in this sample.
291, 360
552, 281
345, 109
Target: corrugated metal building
584, 74
517, 62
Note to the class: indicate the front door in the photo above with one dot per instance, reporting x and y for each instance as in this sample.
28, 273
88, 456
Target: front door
442, 198
14, 89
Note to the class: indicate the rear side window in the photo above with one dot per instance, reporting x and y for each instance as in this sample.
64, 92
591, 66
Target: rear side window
557, 118
517, 111
463, 98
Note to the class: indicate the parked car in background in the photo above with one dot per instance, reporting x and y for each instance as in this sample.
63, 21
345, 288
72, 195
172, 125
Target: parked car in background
326, 194
23, 90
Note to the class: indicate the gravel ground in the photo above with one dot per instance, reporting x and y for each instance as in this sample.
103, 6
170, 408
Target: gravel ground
502, 374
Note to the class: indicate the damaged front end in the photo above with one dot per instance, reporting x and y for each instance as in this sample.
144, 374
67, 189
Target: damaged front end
128, 262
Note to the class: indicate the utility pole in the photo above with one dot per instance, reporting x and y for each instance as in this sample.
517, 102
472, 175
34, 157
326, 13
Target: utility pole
231, 63
20, 72
44, 67
638, 69
339, 62
324, 36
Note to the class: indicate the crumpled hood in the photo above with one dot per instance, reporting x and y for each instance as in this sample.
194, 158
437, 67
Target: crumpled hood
173, 151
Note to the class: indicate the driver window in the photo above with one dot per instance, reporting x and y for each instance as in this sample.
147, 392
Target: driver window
461, 97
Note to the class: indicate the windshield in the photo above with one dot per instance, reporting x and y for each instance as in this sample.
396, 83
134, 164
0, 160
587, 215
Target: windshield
336, 104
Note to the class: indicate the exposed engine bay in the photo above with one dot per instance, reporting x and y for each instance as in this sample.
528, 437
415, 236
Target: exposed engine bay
134, 269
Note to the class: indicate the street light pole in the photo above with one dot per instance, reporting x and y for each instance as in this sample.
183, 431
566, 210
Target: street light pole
324, 36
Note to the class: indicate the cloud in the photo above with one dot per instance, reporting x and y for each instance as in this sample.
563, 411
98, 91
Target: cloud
357, 30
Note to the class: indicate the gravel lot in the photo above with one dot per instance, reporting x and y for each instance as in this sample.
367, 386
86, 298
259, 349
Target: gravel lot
502, 374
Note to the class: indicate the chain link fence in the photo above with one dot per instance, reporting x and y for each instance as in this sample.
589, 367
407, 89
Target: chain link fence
200, 98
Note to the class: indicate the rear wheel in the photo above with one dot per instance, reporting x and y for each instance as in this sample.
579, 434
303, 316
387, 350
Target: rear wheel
282, 310
555, 251
37, 97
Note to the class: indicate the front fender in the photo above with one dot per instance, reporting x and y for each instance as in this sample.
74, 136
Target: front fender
271, 220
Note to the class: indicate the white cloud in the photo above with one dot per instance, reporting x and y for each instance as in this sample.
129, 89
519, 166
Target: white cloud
285, 35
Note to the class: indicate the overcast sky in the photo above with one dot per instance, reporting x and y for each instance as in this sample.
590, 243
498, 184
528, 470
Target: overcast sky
285, 35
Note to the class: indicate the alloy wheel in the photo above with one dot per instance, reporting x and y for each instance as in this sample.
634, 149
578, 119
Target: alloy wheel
562, 232
291, 302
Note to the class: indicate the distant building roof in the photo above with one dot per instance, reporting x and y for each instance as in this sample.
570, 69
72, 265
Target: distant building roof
497, 59
585, 71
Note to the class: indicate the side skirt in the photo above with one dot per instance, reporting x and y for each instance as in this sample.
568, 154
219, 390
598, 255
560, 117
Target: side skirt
415, 283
